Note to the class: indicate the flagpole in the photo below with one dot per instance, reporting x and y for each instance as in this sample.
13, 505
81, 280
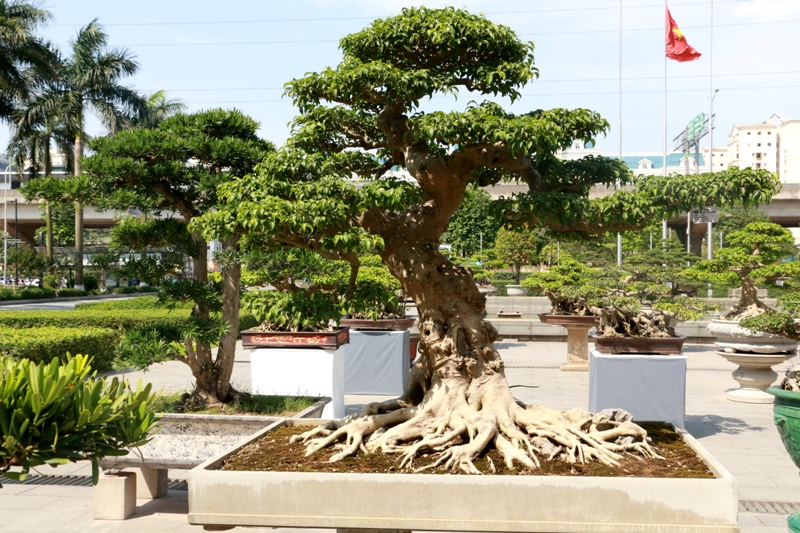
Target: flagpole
619, 148
663, 221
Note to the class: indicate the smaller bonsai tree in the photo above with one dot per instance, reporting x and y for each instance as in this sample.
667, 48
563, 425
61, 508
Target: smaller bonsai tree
752, 254
377, 294
53, 413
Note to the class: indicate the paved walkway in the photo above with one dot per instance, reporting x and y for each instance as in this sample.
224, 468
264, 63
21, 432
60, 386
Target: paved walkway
741, 436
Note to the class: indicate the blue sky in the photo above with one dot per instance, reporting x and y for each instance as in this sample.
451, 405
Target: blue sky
239, 53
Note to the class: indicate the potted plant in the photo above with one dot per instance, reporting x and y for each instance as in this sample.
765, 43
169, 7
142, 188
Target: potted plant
749, 335
786, 411
376, 301
641, 306
751, 254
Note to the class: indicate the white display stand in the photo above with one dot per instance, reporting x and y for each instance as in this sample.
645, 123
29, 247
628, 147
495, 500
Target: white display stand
650, 387
301, 371
376, 362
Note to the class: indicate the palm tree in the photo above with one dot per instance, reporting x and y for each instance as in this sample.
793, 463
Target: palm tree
88, 80
157, 108
30, 149
23, 56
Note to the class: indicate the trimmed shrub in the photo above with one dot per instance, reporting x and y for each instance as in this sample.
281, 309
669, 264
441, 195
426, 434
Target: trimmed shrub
90, 283
147, 289
42, 344
124, 290
66, 293
35, 292
167, 323
139, 302
8, 294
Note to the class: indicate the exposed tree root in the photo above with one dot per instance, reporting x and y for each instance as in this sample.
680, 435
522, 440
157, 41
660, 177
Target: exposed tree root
467, 406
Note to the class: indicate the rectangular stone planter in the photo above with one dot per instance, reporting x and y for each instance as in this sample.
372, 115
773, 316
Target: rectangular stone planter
461, 502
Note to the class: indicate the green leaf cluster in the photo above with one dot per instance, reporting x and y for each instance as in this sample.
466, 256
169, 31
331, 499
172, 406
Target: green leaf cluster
54, 413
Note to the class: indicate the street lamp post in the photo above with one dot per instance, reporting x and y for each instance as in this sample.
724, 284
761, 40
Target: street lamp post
5, 225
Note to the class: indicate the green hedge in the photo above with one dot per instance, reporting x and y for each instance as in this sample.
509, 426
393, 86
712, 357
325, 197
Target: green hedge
27, 293
42, 344
142, 302
167, 323
64, 293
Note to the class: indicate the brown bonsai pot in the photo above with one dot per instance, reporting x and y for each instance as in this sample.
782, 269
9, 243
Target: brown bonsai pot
639, 345
567, 320
391, 324
328, 340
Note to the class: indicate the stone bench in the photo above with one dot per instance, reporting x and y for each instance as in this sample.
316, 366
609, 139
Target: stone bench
180, 441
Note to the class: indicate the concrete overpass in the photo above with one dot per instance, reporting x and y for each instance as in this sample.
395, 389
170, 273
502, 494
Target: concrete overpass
784, 210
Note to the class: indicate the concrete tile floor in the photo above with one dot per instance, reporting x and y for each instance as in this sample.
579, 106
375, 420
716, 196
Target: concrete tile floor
741, 436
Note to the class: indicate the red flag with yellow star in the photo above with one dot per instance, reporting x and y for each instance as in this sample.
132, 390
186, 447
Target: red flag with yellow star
677, 47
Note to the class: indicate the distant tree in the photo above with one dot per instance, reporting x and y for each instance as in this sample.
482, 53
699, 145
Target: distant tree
519, 248
473, 225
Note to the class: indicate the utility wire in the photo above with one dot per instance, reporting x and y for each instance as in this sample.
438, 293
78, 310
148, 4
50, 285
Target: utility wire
327, 19
635, 78
287, 100
320, 41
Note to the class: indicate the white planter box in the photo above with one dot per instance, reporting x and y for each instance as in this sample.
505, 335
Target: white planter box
301, 372
461, 502
376, 362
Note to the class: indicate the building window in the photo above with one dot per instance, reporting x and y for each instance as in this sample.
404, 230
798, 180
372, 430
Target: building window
759, 133
758, 165
748, 133
769, 144
769, 133
759, 144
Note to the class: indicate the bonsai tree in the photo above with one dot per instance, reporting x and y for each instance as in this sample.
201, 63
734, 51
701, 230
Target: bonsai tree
751, 253
53, 414
175, 168
641, 299
363, 117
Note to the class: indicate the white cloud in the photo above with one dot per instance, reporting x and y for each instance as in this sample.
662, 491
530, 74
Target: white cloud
769, 9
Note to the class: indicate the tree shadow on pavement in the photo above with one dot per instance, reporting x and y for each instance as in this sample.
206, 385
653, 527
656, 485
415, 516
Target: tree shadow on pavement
700, 426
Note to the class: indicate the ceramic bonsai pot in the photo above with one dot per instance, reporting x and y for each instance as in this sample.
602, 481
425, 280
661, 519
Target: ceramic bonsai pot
327, 340
731, 337
434, 502
754, 375
639, 345
393, 324
786, 410
516, 290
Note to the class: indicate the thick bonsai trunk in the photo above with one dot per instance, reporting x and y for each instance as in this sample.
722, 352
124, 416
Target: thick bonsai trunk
748, 305
208, 372
458, 401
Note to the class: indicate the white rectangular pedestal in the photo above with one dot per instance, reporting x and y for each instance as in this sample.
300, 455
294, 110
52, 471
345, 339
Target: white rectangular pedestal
650, 387
301, 372
376, 362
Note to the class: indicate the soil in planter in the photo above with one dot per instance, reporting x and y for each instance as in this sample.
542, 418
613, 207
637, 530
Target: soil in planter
274, 453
